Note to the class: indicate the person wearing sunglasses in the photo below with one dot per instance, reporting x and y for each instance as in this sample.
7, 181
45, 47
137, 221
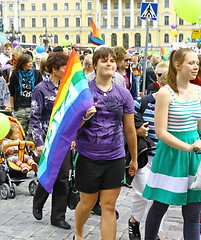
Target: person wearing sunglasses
159, 70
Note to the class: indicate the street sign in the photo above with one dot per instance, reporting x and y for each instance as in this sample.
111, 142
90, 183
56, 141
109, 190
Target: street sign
196, 33
149, 10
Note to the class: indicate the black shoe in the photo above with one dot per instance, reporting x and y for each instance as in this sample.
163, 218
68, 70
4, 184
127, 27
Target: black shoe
133, 230
96, 210
61, 224
158, 238
38, 214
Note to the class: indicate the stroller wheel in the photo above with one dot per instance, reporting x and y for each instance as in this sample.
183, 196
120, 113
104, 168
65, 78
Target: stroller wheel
32, 187
5, 191
12, 191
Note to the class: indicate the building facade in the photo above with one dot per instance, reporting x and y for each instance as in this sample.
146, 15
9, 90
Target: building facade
117, 20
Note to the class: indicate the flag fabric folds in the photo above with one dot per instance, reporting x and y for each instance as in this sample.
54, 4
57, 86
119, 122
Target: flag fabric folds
72, 101
95, 36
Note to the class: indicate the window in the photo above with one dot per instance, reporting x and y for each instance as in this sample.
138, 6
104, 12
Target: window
138, 4
78, 39
33, 22
104, 5
125, 40
55, 39
67, 37
127, 5
137, 40
10, 7
23, 39
11, 22
33, 7
181, 21
149, 39
89, 5
44, 6
66, 22
103, 36
104, 22
89, 21
166, 20
77, 22
127, 22
77, 6
116, 5
139, 21
44, 22
22, 22
34, 39
55, 22
22, 8
114, 40
116, 21
55, 6
166, 38
167, 3
65, 6
181, 37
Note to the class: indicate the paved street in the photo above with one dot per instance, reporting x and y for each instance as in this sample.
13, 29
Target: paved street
17, 222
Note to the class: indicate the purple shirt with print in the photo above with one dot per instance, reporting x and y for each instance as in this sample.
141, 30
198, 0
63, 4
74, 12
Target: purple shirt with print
101, 137
42, 103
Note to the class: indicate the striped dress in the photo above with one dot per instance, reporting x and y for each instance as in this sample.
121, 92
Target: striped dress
173, 170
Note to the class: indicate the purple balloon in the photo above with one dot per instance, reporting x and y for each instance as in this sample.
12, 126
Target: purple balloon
15, 44
173, 26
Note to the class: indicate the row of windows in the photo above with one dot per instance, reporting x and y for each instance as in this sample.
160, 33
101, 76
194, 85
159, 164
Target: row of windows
113, 39
127, 21
89, 5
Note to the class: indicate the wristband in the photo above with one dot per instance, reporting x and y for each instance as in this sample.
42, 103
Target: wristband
86, 119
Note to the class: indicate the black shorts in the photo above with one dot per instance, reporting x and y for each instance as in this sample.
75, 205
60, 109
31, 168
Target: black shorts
94, 175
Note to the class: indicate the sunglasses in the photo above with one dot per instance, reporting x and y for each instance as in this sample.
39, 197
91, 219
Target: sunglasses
159, 74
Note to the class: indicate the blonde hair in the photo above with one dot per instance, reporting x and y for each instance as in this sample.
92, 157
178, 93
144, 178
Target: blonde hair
156, 58
87, 58
13, 127
161, 65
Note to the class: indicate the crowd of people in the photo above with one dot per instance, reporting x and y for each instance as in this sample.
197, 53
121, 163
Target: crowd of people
170, 113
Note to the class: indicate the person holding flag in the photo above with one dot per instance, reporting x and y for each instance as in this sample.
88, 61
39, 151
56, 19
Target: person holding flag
43, 98
100, 144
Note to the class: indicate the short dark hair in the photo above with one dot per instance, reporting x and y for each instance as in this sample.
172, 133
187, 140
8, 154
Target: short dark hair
56, 60
58, 49
103, 53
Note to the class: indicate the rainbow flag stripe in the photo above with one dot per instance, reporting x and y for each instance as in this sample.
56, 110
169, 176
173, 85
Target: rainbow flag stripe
95, 36
72, 101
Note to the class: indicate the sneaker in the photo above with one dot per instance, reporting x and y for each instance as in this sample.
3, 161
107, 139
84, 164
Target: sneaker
133, 230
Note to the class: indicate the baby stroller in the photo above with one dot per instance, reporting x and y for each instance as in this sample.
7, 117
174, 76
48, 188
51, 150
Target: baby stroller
10, 173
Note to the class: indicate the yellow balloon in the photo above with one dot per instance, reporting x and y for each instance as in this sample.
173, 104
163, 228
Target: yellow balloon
4, 125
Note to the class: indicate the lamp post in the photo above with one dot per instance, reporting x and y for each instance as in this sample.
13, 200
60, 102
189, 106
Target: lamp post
13, 35
45, 38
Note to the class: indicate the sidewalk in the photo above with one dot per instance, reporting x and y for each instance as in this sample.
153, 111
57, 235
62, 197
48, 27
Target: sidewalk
17, 221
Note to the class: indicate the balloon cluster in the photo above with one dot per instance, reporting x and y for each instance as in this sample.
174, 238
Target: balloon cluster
188, 10
198, 42
174, 31
65, 42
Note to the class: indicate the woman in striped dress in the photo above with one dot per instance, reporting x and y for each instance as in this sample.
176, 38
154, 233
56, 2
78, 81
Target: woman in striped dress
177, 125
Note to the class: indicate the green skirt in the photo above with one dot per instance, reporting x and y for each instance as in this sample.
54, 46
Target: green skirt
173, 172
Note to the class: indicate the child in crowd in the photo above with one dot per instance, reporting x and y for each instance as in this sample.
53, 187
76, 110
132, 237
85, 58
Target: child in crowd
12, 152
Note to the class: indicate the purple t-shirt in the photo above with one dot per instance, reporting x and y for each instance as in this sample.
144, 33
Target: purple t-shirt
101, 137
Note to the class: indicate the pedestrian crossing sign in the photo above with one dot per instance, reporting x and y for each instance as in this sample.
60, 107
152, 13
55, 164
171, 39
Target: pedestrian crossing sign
149, 10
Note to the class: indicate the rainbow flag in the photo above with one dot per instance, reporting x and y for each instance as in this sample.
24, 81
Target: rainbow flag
95, 36
72, 101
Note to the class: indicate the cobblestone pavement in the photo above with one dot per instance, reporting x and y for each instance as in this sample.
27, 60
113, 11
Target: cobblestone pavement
17, 221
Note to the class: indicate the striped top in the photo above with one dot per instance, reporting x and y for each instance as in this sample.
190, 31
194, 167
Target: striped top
148, 116
183, 116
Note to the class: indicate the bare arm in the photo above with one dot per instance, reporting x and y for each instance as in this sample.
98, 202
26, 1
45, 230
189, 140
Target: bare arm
163, 101
131, 138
